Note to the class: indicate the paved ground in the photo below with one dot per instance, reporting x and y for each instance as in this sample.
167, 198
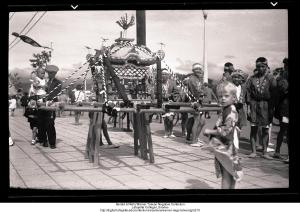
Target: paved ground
177, 165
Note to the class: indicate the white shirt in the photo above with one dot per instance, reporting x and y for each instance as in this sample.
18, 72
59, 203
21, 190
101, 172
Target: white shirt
79, 95
12, 104
32, 91
238, 92
41, 86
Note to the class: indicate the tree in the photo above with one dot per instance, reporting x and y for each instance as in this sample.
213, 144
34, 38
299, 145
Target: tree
14, 79
40, 60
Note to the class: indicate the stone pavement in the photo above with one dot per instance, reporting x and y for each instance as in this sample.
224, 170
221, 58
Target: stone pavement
177, 165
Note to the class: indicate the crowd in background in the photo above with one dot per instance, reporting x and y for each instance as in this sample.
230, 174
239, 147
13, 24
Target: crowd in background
198, 90
245, 100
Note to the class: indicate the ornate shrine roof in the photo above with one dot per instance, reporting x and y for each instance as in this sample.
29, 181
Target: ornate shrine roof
129, 60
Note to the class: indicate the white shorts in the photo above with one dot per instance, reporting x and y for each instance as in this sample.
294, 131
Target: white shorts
168, 114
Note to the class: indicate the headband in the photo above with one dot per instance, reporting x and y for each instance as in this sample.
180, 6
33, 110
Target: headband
164, 70
197, 66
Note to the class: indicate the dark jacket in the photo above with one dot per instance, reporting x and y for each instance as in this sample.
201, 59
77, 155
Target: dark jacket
53, 88
261, 98
195, 86
282, 103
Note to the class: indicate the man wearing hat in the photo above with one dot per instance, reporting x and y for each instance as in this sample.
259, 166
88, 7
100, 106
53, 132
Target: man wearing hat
195, 86
46, 118
260, 99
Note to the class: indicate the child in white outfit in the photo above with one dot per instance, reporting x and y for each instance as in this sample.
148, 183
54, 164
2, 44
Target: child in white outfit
38, 86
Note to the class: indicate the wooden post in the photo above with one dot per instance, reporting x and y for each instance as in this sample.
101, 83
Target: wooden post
95, 128
141, 135
144, 136
149, 138
128, 122
159, 83
135, 134
90, 145
140, 28
98, 128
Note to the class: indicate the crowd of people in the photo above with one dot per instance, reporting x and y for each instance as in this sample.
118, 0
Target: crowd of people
259, 98
256, 99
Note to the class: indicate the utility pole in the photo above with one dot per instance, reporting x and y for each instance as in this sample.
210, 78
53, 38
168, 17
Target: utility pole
205, 78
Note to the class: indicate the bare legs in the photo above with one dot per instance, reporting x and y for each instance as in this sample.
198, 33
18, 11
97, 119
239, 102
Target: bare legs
168, 124
253, 136
197, 127
265, 140
284, 129
227, 179
77, 116
184, 119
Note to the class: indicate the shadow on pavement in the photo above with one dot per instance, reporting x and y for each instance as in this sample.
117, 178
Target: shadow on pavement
122, 150
197, 184
58, 140
17, 140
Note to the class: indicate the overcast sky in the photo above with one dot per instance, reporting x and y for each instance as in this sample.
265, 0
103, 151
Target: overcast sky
237, 36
